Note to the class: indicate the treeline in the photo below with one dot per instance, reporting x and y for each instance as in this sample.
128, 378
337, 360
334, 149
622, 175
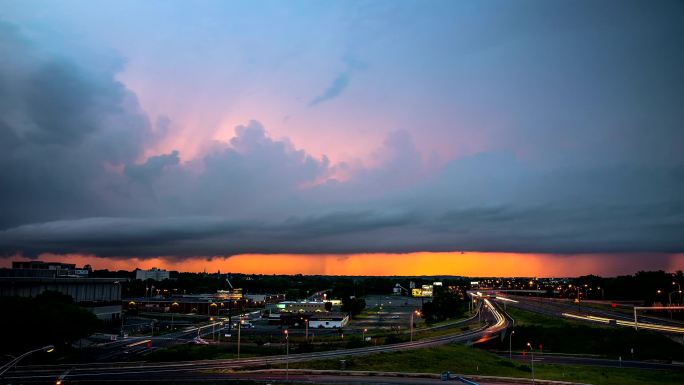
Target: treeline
649, 286
51, 318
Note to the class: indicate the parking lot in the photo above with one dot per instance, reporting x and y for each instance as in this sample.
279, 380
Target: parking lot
387, 312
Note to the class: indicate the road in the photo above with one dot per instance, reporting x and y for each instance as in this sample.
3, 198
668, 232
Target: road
495, 322
564, 309
592, 361
296, 376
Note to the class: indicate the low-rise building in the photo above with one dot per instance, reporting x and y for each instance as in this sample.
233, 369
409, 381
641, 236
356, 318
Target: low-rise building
304, 306
153, 274
44, 269
330, 320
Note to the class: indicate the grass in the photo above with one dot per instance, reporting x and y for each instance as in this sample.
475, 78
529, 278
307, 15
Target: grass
568, 336
528, 318
470, 361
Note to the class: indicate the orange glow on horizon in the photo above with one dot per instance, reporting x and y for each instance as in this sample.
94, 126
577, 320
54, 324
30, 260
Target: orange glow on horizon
385, 264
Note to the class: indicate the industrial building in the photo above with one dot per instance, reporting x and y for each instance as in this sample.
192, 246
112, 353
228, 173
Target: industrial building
102, 296
44, 269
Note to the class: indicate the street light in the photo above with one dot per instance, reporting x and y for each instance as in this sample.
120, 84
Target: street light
510, 345
411, 325
287, 355
306, 328
239, 324
531, 360
679, 290
6, 367
364, 334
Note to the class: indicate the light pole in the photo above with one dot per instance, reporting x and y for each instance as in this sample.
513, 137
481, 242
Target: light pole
364, 334
306, 328
510, 345
411, 326
531, 360
670, 299
239, 328
579, 299
679, 290
287, 356
6, 367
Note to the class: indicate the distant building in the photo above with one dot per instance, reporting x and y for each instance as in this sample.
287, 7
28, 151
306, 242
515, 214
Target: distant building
263, 299
305, 306
44, 269
153, 274
200, 304
425, 290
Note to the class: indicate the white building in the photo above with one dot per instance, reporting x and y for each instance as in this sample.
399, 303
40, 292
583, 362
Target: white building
328, 320
153, 273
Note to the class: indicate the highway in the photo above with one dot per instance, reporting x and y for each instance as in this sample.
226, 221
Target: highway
292, 376
563, 359
564, 309
495, 322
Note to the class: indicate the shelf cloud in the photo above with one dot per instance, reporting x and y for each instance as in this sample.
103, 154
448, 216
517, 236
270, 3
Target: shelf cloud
573, 147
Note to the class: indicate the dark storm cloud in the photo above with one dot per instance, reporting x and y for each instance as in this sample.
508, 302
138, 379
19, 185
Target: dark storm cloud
61, 124
584, 157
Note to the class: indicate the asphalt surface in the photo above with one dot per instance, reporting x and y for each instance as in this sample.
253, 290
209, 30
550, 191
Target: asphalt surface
556, 307
592, 361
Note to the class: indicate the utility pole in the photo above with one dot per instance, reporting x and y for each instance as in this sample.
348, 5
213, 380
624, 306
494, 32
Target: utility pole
239, 328
510, 345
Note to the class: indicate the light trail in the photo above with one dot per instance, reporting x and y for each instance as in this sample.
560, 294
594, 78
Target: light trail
662, 328
134, 344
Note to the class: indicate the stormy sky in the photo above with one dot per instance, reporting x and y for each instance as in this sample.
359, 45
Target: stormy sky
213, 128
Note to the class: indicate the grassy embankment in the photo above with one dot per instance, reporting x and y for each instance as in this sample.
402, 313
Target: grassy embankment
471, 361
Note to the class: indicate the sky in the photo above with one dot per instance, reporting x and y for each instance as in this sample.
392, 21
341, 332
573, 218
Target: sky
379, 137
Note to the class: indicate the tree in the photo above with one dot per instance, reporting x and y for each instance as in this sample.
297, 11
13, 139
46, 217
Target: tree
50, 318
445, 304
353, 305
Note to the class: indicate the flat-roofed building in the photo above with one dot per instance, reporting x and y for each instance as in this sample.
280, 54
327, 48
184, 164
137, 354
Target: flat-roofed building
44, 269
153, 274
330, 320
304, 306
102, 296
